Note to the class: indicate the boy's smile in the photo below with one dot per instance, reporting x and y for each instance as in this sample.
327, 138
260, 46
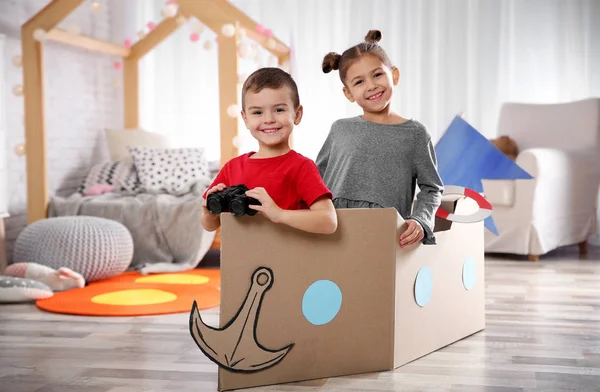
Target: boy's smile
270, 116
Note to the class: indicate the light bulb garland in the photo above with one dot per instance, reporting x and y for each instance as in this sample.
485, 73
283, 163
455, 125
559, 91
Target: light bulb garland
17, 61
18, 90
20, 149
39, 35
233, 110
228, 30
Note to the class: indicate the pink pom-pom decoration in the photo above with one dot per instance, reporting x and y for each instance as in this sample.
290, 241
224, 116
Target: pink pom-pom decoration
117, 65
260, 29
194, 37
171, 2
268, 33
127, 43
150, 25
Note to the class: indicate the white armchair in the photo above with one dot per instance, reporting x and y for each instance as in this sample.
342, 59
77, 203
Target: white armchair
560, 147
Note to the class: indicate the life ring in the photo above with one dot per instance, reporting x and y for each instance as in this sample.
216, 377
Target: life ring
485, 208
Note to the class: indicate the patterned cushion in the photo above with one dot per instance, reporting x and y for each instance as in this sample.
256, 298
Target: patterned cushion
120, 174
172, 170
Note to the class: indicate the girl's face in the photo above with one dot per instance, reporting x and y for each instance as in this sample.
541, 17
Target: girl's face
370, 83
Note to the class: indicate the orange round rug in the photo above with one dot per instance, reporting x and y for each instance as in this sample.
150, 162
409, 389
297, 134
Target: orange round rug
134, 294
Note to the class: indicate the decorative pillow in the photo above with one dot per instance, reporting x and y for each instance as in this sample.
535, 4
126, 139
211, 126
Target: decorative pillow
120, 174
14, 290
119, 140
173, 170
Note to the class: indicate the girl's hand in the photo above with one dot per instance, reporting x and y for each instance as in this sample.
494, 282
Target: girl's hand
268, 207
216, 188
413, 234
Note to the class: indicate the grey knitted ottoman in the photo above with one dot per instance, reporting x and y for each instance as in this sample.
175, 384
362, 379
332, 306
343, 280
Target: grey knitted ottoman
95, 247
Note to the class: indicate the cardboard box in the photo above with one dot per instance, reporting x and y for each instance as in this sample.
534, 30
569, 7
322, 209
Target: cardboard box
280, 329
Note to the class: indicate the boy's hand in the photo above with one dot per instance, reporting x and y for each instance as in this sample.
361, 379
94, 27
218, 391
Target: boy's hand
413, 234
216, 188
268, 207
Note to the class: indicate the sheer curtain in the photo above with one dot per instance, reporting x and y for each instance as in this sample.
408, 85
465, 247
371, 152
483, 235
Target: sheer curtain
179, 91
462, 56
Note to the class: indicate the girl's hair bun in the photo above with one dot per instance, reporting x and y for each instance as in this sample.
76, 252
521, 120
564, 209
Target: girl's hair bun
331, 62
373, 36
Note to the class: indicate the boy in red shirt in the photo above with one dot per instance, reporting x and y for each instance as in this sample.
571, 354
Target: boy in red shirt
288, 185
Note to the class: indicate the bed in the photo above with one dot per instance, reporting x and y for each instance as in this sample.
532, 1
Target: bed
164, 222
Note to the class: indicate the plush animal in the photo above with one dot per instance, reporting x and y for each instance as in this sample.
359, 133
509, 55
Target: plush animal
507, 145
57, 280
15, 290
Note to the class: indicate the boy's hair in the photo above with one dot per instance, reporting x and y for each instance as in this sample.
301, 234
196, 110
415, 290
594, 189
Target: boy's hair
333, 61
273, 78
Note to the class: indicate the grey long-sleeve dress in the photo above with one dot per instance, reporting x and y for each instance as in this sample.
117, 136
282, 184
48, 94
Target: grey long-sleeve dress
366, 164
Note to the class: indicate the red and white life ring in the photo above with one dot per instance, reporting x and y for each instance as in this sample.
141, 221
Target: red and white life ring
485, 208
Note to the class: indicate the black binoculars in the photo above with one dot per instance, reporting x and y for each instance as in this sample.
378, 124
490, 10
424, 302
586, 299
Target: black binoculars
232, 199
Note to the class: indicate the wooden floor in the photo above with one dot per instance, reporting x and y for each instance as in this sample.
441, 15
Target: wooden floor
542, 333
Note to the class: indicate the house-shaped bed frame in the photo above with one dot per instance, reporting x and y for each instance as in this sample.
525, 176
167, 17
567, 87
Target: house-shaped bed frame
212, 13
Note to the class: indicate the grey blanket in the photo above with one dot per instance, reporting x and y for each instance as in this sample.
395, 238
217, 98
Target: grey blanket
166, 229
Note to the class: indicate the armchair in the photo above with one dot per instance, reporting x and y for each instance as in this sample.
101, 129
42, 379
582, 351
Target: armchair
560, 147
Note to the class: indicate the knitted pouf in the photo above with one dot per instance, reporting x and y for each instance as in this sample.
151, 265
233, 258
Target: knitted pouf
95, 247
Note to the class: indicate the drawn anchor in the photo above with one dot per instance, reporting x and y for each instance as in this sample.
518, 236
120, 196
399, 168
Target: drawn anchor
234, 347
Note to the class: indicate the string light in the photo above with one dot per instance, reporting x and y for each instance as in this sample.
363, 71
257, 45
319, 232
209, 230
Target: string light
181, 20
208, 45
244, 50
95, 7
39, 34
141, 34
20, 149
271, 44
197, 27
228, 30
18, 90
236, 141
170, 10
17, 61
233, 110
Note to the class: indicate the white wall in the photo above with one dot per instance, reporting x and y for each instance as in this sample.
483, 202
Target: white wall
81, 100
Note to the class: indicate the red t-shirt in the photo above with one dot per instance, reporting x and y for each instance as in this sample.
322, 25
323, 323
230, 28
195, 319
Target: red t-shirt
292, 180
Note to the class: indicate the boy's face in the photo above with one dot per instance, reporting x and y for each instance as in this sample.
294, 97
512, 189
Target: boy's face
270, 116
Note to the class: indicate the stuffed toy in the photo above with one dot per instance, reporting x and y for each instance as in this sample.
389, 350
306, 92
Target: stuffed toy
507, 145
61, 280
17, 290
